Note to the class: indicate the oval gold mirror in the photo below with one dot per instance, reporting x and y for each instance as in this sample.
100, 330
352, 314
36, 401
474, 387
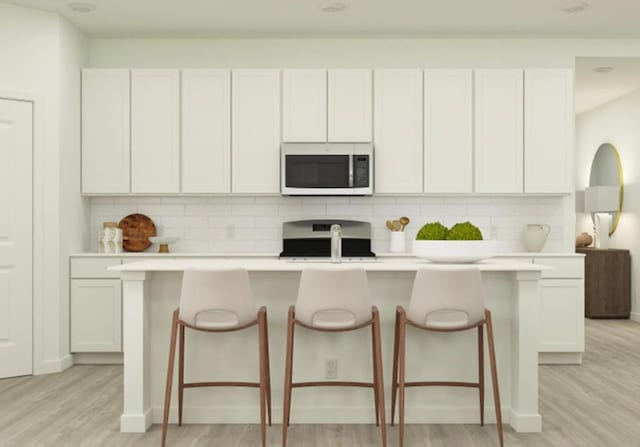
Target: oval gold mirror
606, 176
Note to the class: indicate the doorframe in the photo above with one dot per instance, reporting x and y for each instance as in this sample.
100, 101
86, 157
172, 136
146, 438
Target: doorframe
37, 218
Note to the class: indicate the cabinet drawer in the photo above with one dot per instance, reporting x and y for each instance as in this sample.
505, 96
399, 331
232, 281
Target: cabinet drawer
94, 267
562, 267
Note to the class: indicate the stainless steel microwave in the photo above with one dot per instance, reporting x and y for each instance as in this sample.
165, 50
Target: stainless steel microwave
327, 169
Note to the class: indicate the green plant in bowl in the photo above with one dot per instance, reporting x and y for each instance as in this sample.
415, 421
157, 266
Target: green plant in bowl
432, 231
464, 231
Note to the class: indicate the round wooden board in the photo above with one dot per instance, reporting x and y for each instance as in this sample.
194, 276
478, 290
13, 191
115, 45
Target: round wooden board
136, 230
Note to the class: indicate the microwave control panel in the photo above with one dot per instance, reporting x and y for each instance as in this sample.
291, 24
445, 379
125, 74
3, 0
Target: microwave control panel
361, 171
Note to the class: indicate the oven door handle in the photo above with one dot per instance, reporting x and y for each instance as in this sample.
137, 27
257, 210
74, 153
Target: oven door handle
351, 171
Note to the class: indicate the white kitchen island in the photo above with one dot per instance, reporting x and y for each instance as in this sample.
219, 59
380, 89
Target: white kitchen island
151, 292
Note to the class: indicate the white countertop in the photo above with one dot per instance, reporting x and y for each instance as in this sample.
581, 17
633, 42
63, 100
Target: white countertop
273, 264
147, 254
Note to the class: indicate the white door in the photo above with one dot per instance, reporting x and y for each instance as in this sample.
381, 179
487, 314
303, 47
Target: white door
206, 131
350, 106
398, 131
304, 106
499, 131
15, 238
448, 131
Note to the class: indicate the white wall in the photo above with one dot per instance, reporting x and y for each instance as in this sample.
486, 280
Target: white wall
617, 123
40, 53
254, 224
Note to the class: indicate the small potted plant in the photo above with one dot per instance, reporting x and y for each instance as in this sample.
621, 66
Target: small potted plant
462, 243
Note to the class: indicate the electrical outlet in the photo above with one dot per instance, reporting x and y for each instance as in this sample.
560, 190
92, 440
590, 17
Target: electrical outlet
331, 369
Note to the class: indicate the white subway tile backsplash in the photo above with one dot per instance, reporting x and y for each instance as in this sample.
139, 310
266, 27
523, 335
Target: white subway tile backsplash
254, 224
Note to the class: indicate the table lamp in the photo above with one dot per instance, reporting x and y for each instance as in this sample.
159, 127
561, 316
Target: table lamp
602, 200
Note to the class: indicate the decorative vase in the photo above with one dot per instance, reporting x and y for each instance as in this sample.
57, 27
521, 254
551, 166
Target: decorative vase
110, 238
584, 239
535, 236
397, 242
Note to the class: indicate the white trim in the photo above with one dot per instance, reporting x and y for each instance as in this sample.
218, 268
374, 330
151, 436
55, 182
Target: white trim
634, 316
559, 358
330, 415
135, 423
98, 358
56, 365
40, 366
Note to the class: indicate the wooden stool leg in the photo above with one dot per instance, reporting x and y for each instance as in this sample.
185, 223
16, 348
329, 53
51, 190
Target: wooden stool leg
401, 377
375, 373
494, 375
288, 376
180, 375
377, 347
167, 392
481, 371
268, 384
394, 374
263, 378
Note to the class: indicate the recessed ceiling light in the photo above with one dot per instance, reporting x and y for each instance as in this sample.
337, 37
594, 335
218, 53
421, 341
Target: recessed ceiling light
578, 7
82, 7
603, 69
333, 7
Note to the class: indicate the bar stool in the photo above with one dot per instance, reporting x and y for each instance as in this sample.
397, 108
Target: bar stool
217, 301
445, 299
334, 300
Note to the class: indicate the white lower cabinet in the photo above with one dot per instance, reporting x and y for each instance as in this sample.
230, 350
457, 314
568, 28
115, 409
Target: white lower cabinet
95, 305
96, 315
561, 308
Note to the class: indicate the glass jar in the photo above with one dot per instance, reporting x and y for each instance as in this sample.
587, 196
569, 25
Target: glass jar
110, 240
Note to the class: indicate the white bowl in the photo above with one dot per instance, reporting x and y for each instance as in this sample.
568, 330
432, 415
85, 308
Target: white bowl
454, 252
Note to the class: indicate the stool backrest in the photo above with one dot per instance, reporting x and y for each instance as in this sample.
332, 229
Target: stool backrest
447, 297
219, 298
333, 298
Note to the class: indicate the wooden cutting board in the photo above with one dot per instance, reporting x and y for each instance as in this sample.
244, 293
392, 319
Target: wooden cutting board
136, 230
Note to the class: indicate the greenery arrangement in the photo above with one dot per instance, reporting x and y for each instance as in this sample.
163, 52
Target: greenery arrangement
462, 231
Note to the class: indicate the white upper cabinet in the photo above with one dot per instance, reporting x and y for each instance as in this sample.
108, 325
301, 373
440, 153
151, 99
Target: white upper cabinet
155, 131
255, 132
105, 131
398, 131
498, 131
448, 131
206, 131
548, 130
304, 106
350, 106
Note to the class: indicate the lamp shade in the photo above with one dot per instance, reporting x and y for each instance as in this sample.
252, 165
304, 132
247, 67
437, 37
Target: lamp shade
601, 199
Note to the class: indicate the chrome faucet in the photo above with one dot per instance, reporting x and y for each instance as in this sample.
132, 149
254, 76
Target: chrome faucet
336, 243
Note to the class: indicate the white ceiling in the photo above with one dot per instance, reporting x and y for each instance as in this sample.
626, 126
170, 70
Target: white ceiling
593, 89
361, 17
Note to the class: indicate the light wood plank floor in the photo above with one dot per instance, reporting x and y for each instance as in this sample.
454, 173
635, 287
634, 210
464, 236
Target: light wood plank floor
596, 404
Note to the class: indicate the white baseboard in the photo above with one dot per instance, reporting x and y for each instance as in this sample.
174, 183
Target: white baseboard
525, 423
560, 358
136, 423
635, 316
331, 415
56, 365
98, 358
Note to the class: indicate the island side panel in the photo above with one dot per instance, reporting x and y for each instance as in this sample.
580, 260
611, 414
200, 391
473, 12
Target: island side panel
136, 416
525, 416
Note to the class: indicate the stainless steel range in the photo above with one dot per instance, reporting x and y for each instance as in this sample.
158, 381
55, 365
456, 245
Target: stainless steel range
311, 240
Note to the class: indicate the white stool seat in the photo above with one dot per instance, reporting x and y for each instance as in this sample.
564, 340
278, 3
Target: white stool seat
333, 319
216, 319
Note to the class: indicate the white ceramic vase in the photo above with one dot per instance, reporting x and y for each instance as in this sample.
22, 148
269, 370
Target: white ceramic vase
535, 236
397, 242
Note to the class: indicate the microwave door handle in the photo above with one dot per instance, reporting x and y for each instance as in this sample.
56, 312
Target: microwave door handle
350, 171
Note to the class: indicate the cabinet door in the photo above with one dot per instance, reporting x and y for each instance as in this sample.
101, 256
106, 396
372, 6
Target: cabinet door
398, 131
548, 130
255, 131
206, 131
304, 105
561, 315
105, 131
498, 131
96, 315
155, 131
350, 106
448, 131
